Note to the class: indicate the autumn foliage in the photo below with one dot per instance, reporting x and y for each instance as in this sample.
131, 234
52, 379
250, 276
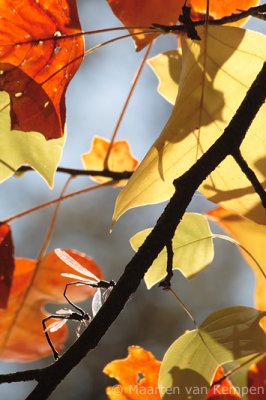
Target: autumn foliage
205, 80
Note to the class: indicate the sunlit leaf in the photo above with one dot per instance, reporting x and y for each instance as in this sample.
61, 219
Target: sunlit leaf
191, 361
22, 337
219, 9
253, 238
137, 376
192, 247
167, 67
7, 263
18, 148
139, 13
257, 380
32, 54
120, 158
207, 101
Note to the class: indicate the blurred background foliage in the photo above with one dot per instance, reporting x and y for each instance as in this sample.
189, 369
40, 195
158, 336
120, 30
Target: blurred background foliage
152, 319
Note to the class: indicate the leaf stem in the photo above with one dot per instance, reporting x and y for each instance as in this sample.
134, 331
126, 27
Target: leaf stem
116, 176
129, 96
49, 203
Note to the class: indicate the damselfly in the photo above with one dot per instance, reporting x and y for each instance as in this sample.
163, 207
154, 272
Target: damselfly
64, 315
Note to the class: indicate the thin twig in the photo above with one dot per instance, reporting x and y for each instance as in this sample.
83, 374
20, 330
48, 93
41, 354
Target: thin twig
129, 96
253, 11
250, 174
116, 176
236, 369
49, 203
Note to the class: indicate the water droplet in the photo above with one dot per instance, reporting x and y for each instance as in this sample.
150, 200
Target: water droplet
55, 89
46, 104
57, 49
18, 94
2, 72
57, 34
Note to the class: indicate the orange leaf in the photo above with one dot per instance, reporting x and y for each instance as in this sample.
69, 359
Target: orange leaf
36, 64
7, 263
223, 391
257, 380
141, 13
219, 9
120, 158
252, 237
22, 337
137, 376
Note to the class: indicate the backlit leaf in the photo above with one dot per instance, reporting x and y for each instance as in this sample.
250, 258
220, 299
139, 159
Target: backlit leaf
120, 158
192, 247
137, 376
18, 148
207, 101
191, 361
219, 9
32, 54
7, 263
139, 13
253, 238
167, 67
257, 380
22, 337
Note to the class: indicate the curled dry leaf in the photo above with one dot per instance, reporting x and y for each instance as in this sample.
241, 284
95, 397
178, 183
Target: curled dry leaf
139, 13
7, 263
120, 158
22, 337
252, 237
219, 9
37, 62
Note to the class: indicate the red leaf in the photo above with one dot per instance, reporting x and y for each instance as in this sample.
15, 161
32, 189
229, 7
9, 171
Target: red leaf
36, 64
219, 9
144, 13
7, 263
257, 380
223, 391
22, 337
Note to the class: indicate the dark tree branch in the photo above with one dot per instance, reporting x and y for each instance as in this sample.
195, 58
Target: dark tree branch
117, 176
250, 174
166, 283
253, 11
185, 187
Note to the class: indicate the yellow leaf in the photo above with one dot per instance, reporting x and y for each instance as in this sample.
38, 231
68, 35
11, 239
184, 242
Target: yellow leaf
192, 247
18, 148
167, 67
253, 238
216, 74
